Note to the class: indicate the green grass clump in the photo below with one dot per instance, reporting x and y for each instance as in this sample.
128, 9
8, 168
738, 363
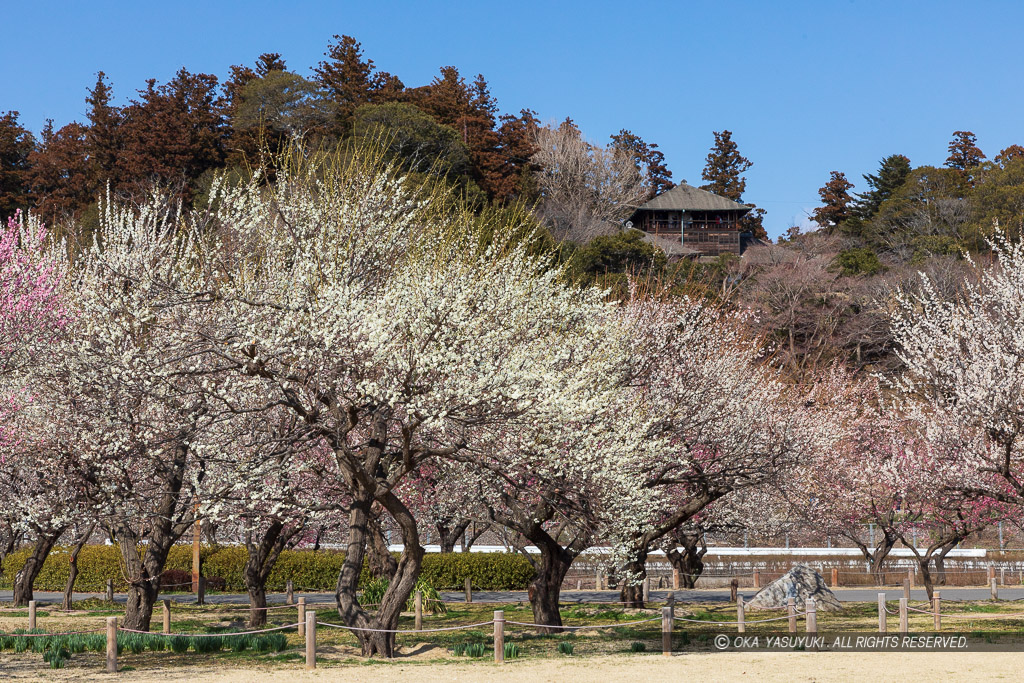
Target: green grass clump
637, 646
511, 651
179, 644
566, 648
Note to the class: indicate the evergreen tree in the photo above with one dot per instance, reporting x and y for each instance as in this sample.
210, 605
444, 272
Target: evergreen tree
963, 151
836, 200
103, 135
649, 161
1009, 154
16, 144
724, 168
723, 175
351, 81
61, 177
892, 173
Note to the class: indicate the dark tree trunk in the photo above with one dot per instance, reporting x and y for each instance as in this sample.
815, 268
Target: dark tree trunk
940, 563
690, 562
546, 587
143, 573
382, 562
632, 594
25, 579
924, 563
69, 589
402, 582
449, 534
262, 557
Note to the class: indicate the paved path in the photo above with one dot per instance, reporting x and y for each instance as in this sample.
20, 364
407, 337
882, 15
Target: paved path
571, 596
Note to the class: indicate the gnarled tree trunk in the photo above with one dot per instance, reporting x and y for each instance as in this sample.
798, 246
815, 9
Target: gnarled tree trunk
382, 562
450, 533
25, 579
690, 562
260, 562
631, 594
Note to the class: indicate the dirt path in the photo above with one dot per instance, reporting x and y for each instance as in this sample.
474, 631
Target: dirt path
846, 666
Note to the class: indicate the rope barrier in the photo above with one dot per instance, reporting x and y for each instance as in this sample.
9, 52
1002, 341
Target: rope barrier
424, 630
208, 635
734, 623
580, 628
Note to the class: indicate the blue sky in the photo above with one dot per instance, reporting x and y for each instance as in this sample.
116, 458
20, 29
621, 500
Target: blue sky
806, 87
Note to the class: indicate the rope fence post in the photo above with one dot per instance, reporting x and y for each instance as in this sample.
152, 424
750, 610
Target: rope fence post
167, 616
881, 613
579, 584
111, 645
910, 578
666, 631
757, 578
419, 610
906, 589
904, 622
302, 617
469, 590
791, 610
675, 579
289, 590
835, 577
991, 572
937, 619
311, 639
499, 636
811, 625
647, 590
31, 615
741, 626
110, 590
671, 603
201, 594
734, 590
1002, 576
995, 590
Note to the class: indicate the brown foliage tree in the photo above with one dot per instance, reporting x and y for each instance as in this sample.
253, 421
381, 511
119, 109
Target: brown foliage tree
836, 199
723, 175
350, 80
61, 176
16, 144
963, 151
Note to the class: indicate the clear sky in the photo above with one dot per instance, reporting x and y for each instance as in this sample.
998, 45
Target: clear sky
806, 87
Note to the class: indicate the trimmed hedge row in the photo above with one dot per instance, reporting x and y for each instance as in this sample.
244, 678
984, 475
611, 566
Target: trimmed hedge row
307, 569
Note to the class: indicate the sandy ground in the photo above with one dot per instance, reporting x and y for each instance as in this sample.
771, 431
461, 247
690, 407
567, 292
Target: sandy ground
845, 666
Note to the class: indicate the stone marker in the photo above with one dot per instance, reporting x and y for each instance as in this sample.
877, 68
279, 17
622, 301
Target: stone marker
800, 582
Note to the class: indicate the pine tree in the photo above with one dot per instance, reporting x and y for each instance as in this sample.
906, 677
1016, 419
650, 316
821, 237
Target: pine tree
61, 178
893, 171
836, 200
1009, 154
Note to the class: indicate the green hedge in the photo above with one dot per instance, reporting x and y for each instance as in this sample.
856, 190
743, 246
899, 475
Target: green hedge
307, 569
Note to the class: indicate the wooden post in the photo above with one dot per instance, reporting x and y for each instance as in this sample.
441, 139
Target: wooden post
910, 577
289, 591
579, 584
936, 604
597, 580
311, 639
791, 609
302, 617
881, 613
647, 589
31, 615
418, 603
666, 631
469, 590
812, 617
991, 572
906, 589
904, 627
734, 588
675, 579
757, 578
201, 593
671, 603
1002, 576
741, 626
499, 636
110, 590
111, 645
995, 590
195, 552
167, 616
835, 577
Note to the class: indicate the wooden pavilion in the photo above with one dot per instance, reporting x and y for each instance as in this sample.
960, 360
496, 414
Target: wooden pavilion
697, 219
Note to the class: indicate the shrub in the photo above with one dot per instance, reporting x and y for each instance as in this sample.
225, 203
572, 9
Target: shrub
566, 648
179, 644
308, 570
637, 646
